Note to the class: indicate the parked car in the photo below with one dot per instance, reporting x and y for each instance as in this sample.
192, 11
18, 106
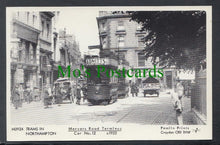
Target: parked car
151, 86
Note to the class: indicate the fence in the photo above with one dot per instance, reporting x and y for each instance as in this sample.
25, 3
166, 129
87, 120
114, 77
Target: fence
198, 98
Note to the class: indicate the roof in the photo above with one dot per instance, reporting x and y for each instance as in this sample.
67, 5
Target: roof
151, 80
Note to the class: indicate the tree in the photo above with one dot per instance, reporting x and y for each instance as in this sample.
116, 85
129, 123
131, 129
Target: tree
176, 37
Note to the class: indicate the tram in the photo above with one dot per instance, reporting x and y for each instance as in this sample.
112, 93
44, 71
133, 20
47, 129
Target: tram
102, 89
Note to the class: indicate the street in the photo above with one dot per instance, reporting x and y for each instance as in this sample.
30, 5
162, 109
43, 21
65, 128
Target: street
137, 110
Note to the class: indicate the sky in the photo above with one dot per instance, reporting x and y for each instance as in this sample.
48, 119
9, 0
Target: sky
81, 23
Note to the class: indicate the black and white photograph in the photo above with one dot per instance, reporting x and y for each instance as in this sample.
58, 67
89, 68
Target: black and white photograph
104, 73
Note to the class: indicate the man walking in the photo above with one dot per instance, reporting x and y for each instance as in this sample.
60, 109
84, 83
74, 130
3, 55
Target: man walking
177, 96
78, 94
134, 89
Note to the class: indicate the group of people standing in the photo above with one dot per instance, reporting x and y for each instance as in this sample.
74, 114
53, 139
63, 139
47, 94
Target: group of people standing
21, 94
50, 94
60, 93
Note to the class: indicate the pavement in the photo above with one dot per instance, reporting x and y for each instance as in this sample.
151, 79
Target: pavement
137, 110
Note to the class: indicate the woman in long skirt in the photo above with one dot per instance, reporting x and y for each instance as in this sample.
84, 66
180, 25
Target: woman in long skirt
16, 97
47, 96
58, 94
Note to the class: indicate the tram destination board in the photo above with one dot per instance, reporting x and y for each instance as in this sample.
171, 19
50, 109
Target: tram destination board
101, 61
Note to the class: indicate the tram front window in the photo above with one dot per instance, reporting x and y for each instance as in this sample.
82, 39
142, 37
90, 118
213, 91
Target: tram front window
103, 79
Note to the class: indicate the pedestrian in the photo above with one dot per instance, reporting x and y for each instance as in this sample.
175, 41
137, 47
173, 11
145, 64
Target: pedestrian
35, 94
84, 90
78, 94
68, 93
21, 92
58, 94
176, 96
47, 96
134, 89
16, 97
180, 89
72, 94
28, 94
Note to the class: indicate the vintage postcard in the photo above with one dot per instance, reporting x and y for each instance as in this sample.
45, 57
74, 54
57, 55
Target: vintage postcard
109, 73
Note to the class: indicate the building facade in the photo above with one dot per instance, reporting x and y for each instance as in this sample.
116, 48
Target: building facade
37, 48
25, 31
45, 46
124, 37
66, 53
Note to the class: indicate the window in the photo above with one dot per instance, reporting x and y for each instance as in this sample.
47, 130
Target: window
103, 26
44, 61
42, 26
27, 52
48, 30
121, 41
104, 43
28, 17
34, 54
120, 23
141, 60
141, 41
20, 51
62, 57
33, 19
120, 26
